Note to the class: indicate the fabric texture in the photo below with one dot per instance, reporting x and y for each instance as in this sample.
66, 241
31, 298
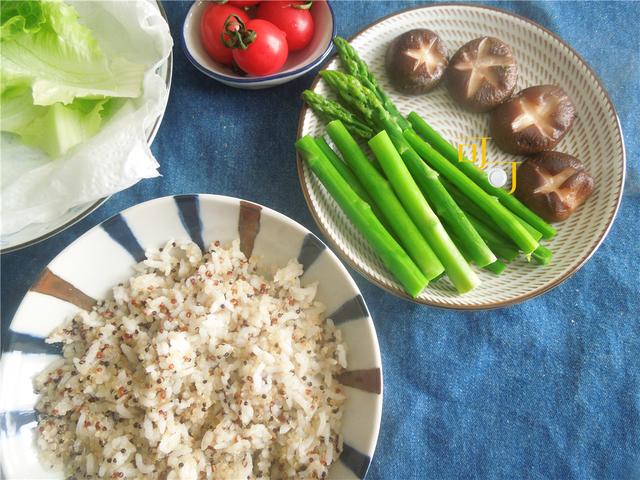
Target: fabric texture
546, 389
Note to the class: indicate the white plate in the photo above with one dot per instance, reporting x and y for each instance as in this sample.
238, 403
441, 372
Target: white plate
543, 58
37, 232
89, 267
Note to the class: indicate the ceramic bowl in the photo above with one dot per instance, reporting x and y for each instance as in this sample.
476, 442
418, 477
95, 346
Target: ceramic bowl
543, 58
104, 256
298, 63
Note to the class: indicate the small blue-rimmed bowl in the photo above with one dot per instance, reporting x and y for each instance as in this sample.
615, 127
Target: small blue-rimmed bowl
297, 64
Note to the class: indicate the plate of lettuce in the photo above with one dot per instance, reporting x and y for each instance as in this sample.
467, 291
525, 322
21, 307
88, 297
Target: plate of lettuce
83, 88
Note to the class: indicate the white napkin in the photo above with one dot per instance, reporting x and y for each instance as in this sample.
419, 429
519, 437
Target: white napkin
35, 188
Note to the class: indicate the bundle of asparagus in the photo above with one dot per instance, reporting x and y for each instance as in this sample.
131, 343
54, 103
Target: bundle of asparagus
440, 214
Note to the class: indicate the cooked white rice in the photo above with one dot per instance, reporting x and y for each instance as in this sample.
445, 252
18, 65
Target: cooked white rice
199, 367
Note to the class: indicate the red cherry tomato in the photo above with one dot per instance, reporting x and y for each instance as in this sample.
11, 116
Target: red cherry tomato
212, 26
259, 47
244, 3
293, 18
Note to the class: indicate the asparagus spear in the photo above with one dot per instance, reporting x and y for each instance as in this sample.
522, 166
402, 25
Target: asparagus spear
468, 206
505, 220
382, 193
360, 213
542, 254
496, 267
503, 249
343, 169
449, 152
455, 266
351, 179
333, 110
362, 100
355, 66
359, 98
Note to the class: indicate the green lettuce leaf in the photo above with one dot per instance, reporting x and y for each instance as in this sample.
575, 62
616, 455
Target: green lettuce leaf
49, 48
19, 17
17, 109
57, 88
65, 125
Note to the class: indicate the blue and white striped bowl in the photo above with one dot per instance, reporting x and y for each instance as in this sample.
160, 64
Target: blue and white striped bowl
88, 268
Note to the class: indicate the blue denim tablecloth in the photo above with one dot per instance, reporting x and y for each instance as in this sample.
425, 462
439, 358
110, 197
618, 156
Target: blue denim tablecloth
546, 389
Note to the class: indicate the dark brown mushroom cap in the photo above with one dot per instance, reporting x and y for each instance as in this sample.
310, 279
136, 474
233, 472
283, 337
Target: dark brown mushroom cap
533, 121
482, 74
553, 184
416, 61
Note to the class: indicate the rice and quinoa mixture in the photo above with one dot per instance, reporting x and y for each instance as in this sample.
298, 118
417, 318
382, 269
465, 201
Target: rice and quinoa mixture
198, 367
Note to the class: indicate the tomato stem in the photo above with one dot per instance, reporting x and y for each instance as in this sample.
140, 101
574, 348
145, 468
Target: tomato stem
303, 6
236, 34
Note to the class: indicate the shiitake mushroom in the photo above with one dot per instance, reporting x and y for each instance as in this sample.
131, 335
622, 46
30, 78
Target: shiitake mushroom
416, 61
533, 121
553, 184
482, 74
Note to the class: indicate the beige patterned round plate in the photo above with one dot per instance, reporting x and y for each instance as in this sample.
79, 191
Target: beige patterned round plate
543, 58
